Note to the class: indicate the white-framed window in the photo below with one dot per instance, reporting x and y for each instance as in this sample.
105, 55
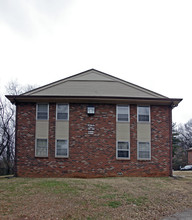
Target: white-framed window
41, 149
62, 148
62, 112
143, 113
123, 150
122, 113
42, 111
143, 150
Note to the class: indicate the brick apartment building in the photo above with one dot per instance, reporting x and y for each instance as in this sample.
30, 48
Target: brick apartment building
93, 125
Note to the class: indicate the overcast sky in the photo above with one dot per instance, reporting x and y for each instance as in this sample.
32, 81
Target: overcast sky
148, 43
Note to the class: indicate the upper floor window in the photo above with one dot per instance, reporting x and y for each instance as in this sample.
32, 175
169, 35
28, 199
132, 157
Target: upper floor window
143, 113
42, 111
122, 113
62, 111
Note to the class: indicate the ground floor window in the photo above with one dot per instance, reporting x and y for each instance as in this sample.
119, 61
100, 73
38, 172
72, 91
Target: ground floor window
41, 148
62, 149
123, 150
144, 151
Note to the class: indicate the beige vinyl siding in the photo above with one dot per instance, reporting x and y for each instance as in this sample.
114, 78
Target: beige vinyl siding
93, 88
42, 128
123, 131
62, 130
93, 75
144, 132
93, 83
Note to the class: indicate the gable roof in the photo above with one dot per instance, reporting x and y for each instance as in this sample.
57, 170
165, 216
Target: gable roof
92, 84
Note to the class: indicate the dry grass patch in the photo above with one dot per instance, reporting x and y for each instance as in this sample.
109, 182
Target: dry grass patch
107, 198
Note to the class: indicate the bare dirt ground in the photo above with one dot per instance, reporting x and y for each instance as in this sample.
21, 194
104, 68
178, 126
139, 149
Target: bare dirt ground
104, 198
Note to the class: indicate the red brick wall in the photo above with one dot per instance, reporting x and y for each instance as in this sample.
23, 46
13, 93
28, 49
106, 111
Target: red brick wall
92, 155
190, 156
25, 138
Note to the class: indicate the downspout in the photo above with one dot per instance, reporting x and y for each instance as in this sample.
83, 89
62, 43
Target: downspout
16, 116
170, 141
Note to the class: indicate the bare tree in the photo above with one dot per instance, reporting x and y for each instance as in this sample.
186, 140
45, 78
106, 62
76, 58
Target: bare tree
185, 132
7, 127
14, 88
7, 135
182, 141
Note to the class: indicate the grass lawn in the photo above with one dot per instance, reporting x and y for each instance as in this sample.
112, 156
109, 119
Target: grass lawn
105, 198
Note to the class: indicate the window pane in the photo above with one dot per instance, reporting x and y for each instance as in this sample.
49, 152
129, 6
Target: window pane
144, 150
144, 145
41, 148
123, 145
123, 149
123, 117
62, 108
123, 113
42, 111
62, 115
123, 109
61, 152
124, 154
62, 111
143, 117
42, 115
62, 148
143, 113
144, 154
42, 107
144, 110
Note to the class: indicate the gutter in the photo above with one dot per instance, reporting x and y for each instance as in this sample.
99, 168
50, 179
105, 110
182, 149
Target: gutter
95, 99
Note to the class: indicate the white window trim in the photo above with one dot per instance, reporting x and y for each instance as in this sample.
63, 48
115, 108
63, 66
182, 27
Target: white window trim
37, 111
67, 110
138, 151
36, 147
128, 114
122, 158
147, 122
62, 139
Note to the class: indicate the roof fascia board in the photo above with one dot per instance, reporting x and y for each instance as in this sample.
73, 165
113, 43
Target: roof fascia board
89, 99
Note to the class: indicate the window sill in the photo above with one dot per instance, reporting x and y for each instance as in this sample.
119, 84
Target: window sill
123, 121
66, 157
121, 158
144, 159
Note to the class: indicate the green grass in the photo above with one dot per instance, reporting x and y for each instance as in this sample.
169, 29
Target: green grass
110, 198
57, 187
114, 204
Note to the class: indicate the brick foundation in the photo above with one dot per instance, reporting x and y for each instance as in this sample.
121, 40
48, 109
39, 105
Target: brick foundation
92, 155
